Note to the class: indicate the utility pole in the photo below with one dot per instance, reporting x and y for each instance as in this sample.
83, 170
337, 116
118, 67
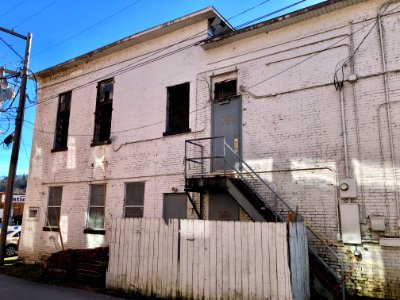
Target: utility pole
16, 144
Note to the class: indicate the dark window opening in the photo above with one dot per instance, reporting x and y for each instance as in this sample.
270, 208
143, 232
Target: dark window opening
54, 207
178, 109
225, 89
63, 112
134, 200
103, 114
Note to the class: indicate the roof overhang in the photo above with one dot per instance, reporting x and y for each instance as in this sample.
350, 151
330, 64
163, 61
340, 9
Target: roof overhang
279, 22
137, 38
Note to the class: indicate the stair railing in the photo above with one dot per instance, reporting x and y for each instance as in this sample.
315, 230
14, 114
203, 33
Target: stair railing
246, 173
253, 173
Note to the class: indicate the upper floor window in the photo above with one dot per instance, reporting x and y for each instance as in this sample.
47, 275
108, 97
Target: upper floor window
177, 109
225, 89
62, 123
102, 122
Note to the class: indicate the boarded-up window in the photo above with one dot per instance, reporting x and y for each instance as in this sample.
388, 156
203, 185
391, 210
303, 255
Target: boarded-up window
54, 206
178, 109
103, 114
62, 124
134, 199
225, 89
96, 206
175, 206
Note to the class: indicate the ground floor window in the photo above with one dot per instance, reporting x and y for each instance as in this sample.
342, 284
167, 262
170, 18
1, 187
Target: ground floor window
54, 206
97, 201
134, 200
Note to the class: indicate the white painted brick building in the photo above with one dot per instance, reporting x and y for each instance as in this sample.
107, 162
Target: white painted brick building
292, 129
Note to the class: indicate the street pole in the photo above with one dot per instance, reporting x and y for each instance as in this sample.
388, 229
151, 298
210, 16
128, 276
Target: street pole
16, 146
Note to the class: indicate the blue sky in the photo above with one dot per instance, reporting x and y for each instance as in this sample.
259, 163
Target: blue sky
65, 29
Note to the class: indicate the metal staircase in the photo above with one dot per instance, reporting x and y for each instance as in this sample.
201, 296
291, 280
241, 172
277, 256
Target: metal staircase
260, 201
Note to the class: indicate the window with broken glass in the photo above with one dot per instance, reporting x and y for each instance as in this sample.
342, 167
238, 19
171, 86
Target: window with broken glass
62, 123
103, 113
96, 207
134, 199
177, 109
225, 89
54, 207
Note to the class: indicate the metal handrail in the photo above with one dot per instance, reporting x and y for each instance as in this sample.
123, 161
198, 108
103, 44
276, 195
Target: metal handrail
227, 148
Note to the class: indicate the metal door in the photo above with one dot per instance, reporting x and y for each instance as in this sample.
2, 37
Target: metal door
175, 206
226, 122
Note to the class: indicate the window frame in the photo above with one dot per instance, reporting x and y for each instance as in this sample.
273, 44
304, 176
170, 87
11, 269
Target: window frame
126, 198
101, 112
62, 115
169, 127
90, 229
48, 226
224, 84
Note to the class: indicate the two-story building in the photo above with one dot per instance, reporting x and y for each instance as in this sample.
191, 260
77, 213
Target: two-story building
308, 103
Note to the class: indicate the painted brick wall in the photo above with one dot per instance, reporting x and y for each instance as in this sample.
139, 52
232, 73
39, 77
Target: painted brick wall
292, 132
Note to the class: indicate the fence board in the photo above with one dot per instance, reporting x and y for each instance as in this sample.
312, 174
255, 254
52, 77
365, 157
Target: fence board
272, 263
245, 260
175, 256
265, 263
238, 262
213, 260
208, 259
225, 260
299, 261
232, 260
258, 270
251, 259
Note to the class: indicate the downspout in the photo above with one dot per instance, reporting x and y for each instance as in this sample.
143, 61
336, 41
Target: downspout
353, 90
388, 114
344, 128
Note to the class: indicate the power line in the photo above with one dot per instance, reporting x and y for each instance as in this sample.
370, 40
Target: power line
247, 10
87, 29
270, 14
11, 9
35, 14
138, 65
318, 52
11, 48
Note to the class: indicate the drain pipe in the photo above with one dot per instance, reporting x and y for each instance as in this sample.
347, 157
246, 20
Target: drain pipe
344, 128
387, 101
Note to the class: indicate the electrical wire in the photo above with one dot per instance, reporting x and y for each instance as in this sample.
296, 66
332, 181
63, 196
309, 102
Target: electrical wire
11, 9
11, 48
86, 29
35, 14
312, 55
269, 14
249, 9
133, 66
339, 83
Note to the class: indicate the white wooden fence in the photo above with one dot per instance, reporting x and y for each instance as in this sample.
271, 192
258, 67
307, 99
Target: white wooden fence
206, 259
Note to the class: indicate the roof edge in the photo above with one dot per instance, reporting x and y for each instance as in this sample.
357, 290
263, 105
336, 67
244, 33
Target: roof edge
136, 38
279, 22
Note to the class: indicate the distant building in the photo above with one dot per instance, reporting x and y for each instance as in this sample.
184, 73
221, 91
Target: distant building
17, 208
